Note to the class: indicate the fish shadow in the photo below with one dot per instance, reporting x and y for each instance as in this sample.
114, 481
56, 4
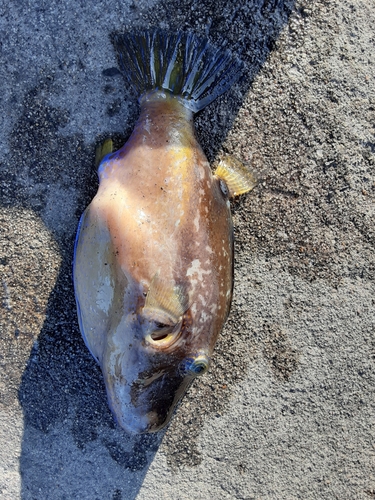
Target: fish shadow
66, 415
69, 432
71, 447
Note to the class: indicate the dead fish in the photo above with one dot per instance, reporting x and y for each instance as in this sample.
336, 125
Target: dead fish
153, 259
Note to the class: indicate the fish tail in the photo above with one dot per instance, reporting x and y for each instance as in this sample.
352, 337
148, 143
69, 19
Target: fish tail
182, 63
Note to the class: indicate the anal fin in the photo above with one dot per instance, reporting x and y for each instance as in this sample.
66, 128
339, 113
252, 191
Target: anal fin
237, 177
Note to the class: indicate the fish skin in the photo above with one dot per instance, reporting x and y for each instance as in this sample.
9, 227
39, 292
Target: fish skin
159, 210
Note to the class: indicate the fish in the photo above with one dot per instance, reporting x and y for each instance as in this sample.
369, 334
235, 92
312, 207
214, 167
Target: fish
153, 256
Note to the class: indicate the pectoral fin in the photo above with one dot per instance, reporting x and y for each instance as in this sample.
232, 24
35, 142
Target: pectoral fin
165, 302
238, 179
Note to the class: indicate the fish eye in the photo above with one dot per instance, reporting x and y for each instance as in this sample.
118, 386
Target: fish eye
195, 366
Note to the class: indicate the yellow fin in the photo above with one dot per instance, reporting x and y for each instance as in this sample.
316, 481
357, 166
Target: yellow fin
236, 176
165, 303
102, 150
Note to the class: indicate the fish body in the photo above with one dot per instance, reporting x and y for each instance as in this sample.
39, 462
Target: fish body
153, 264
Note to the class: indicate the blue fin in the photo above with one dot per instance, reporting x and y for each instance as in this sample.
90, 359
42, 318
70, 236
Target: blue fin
188, 66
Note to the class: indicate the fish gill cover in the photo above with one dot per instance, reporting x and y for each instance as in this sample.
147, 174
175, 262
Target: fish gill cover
182, 63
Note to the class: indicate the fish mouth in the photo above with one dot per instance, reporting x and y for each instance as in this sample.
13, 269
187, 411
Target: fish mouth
147, 403
150, 423
141, 424
134, 419
153, 399
160, 393
132, 424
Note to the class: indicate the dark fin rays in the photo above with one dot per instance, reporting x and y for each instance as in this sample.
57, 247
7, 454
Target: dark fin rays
184, 64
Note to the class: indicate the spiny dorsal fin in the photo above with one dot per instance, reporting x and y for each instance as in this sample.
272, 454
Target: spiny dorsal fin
165, 302
236, 176
103, 150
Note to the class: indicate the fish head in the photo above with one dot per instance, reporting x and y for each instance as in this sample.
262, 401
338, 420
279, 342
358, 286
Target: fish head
149, 362
152, 333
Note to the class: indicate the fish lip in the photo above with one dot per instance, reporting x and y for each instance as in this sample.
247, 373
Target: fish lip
153, 428
130, 429
131, 422
150, 429
151, 422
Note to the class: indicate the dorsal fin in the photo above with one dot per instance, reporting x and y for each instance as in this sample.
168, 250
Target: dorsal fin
103, 150
165, 302
236, 176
